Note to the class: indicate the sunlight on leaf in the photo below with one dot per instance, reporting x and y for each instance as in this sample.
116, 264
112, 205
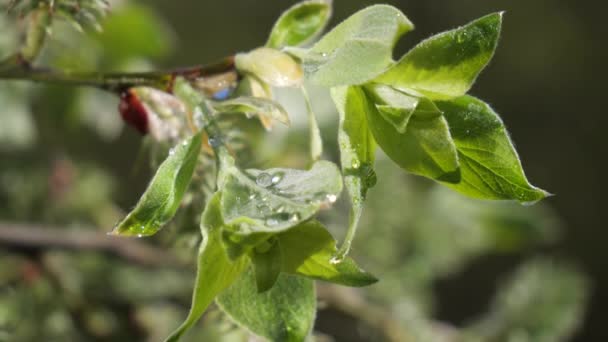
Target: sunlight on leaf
300, 24
164, 193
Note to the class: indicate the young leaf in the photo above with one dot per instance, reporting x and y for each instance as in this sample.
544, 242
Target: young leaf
357, 152
266, 110
424, 148
446, 65
490, 167
357, 50
266, 260
257, 201
164, 193
309, 250
286, 312
271, 66
300, 24
215, 271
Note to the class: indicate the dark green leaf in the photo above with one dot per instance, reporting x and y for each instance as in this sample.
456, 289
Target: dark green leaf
164, 193
300, 24
490, 167
215, 271
257, 201
446, 65
286, 312
309, 250
357, 151
266, 259
425, 147
357, 50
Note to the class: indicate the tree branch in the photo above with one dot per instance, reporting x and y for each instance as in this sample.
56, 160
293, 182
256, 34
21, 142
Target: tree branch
14, 69
32, 236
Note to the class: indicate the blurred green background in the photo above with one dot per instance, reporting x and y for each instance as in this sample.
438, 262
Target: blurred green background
451, 269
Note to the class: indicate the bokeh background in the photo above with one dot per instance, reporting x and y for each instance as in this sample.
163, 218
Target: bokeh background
442, 259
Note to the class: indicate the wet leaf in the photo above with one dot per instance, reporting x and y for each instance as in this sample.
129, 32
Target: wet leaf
490, 166
266, 110
357, 50
271, 66
309, 250
161, 199
446, 65
273, 200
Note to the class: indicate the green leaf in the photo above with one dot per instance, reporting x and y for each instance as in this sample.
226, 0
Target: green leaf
357, 50
286, 312
164, 193
316, 141
490, 166
357, 152
446, 65
265, 109
309, 250
215, 271
271, 66
424, 148
258, 201
300, 24
267, 264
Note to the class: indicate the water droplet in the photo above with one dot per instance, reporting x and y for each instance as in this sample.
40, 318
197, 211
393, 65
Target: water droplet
295, 217
252, 196
263, 179
271, 222
215, 142
331, 198
324, 54
276, 178
139, 235
185, 143
172, 151
280, 209
356, 164
335, 260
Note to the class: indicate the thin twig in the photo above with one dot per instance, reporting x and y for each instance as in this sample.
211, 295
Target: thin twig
114, 82
33, 236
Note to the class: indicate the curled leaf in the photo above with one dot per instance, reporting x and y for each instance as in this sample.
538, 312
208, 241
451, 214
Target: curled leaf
266, 110
300, 24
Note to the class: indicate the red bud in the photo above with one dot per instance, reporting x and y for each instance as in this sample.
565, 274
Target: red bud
133, 111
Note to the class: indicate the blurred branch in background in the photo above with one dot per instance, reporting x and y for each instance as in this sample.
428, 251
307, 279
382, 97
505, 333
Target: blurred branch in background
36, 237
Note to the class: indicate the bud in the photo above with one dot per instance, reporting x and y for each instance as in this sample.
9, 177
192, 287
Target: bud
271, 66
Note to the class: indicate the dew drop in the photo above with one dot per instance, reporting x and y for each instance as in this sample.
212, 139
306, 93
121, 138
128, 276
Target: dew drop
335, 260
215, 142
355, 164
172, 151
276, 178
139, 235
271, 222
263, 179
252, 197
295, 217
280, 209
331, 198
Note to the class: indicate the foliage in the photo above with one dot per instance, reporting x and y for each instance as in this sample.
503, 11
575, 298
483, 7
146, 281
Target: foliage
265, 232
